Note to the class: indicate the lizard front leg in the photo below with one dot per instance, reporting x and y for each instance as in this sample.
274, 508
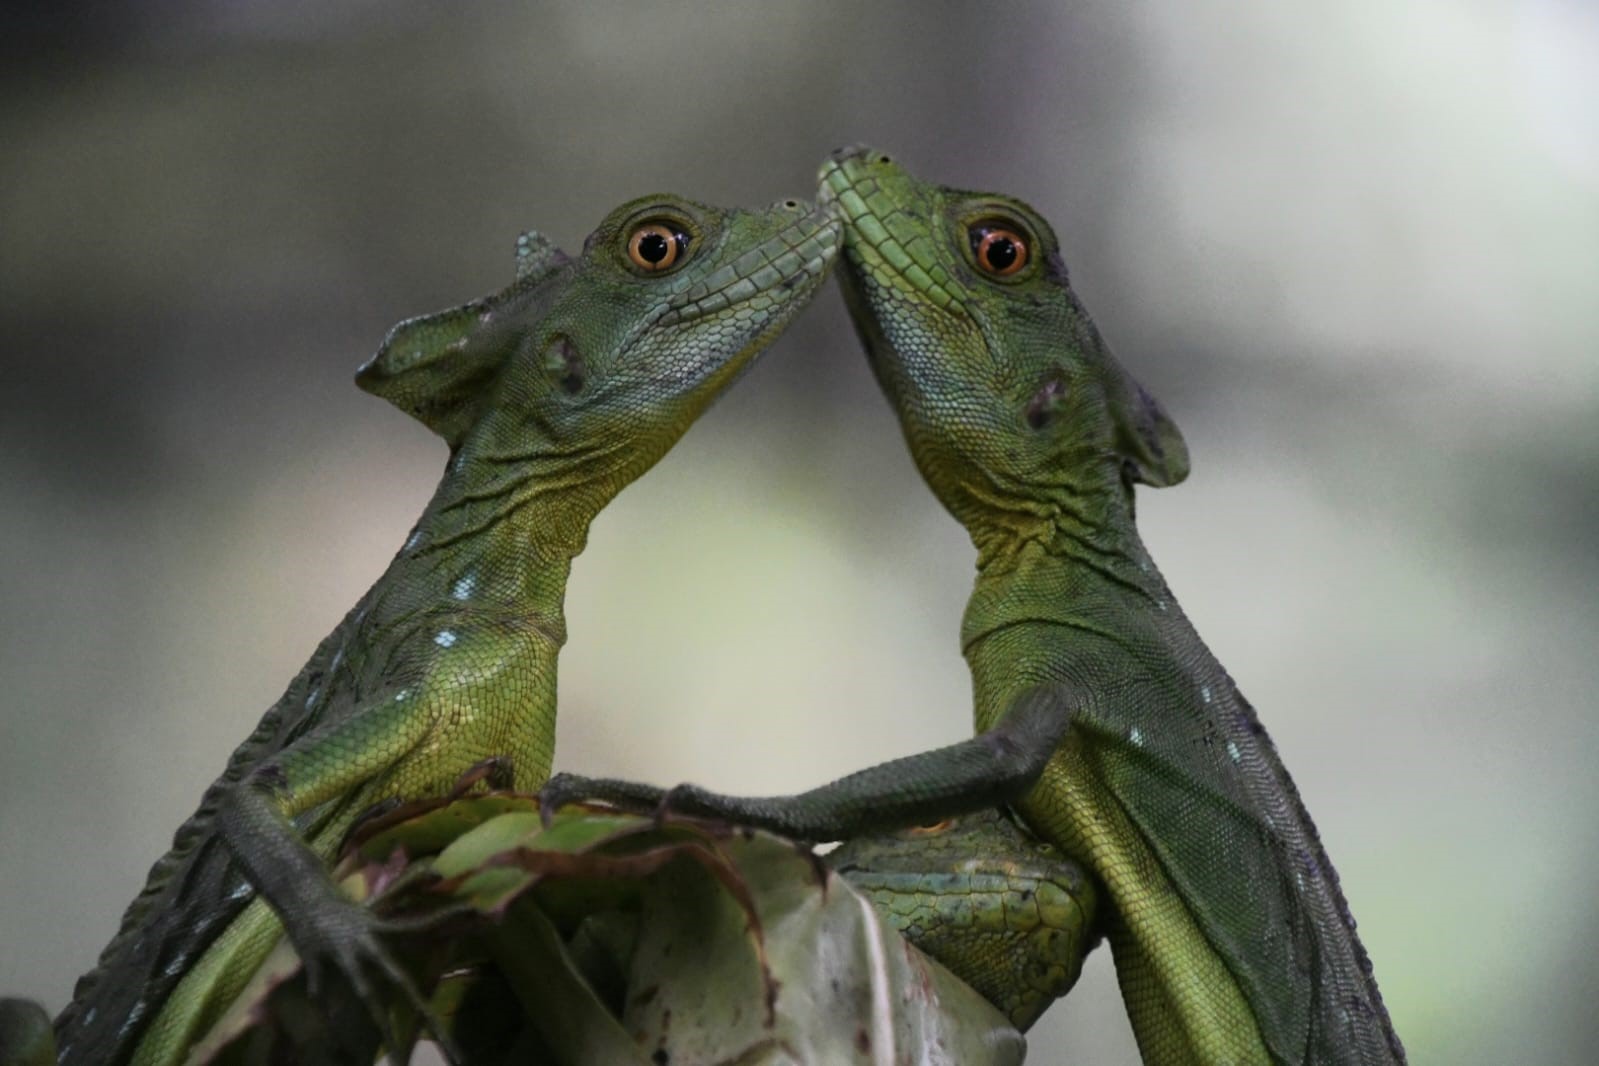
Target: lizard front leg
990, 769
332, 933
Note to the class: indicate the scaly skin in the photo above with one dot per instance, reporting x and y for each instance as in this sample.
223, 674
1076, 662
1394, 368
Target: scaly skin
1000, 909
553, 395
1232, 940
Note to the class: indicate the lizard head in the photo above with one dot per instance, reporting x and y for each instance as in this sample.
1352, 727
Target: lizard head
590, 367
1008, 396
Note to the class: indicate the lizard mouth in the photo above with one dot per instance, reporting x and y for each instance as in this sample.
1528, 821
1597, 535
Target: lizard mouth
746, 300
895, 281
883, 239
762, 278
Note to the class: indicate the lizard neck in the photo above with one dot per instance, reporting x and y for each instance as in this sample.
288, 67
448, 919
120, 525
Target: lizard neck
500, 534
1050, 594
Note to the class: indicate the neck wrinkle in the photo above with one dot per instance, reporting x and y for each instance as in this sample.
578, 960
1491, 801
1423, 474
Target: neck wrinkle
1088, 552
508, 480
1090, 524
505, 550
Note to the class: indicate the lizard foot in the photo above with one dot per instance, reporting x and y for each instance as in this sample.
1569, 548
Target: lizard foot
342, 951
563, 789
496, 770
769, 813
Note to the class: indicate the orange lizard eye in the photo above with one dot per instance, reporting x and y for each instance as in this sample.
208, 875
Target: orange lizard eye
998, 249
656, 246
931, 830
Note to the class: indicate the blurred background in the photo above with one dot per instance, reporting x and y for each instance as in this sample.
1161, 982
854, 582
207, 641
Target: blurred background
1355, 253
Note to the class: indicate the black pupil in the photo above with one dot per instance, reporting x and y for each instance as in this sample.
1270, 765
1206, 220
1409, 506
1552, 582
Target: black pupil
653, 247
1001, 253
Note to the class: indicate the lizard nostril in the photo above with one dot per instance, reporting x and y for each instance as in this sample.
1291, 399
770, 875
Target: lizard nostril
851, 151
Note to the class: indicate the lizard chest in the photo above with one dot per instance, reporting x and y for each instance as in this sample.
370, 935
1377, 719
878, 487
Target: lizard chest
488, 691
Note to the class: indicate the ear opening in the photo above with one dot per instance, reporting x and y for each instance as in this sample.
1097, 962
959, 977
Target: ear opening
1151, 445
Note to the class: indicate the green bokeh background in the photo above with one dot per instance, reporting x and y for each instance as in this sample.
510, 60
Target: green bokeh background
1354, 249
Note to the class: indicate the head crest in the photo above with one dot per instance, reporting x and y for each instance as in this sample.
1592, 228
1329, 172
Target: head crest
437, 367
1151, 445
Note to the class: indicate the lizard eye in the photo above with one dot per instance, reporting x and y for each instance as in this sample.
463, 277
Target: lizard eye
654, 247
998, 246
931, 830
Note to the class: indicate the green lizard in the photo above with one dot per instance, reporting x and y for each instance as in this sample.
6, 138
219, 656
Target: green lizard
553, 395
1100, 711
1000, 909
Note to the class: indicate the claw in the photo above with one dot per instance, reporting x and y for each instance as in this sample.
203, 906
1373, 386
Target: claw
399, 1049
671, 801
423, 923
431, 1023
552, 797
349, 940
694, 801
373, 813
496, 770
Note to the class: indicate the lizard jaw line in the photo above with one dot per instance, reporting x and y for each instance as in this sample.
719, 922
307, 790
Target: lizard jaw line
814, 252
821, 233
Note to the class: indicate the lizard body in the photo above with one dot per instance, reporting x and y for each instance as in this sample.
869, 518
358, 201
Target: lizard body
1100, 713
553, 395
1001, 909
1232, 938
